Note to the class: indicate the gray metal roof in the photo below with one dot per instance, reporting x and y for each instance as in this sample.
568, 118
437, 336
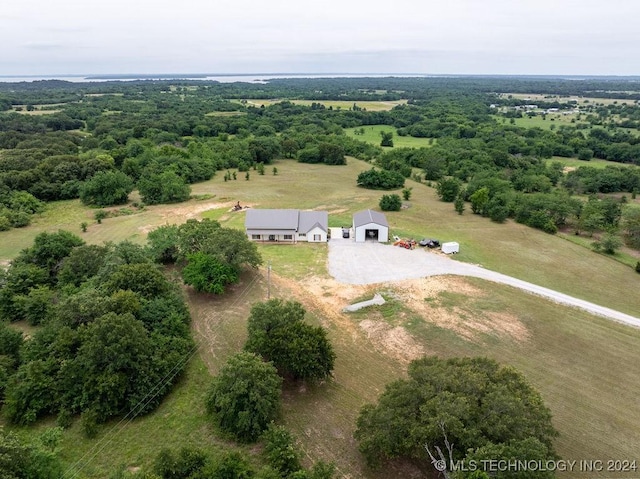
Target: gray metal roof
369, 216
309, 219
271, 219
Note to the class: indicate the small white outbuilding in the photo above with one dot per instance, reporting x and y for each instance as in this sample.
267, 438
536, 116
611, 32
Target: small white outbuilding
450, 248
370, 225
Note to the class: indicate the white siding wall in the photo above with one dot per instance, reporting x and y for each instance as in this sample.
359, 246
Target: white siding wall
383, 232
312, 233
279, 237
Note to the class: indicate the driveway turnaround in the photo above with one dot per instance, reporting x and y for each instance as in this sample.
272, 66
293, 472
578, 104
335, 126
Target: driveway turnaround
370, 263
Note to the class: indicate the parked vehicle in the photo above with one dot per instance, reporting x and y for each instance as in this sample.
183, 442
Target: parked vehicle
429, 243
403, 243
345, 233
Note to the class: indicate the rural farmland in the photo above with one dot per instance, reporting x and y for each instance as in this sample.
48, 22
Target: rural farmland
124, 217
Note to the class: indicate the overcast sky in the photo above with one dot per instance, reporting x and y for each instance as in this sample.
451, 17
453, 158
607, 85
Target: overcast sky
546, 37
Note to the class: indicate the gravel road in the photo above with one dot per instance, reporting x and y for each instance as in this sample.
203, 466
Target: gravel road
369, 263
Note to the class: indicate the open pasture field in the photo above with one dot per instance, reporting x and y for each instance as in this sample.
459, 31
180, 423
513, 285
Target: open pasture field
372, 135
567, 354
534, 97
38, 109
225, 113
335, 104
552, 120
593, 163
510, 248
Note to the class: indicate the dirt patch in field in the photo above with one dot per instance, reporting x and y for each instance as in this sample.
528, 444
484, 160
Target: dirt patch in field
431, 287
191, 211
324, 295
326, 298
180, 214
421, 295
395, 341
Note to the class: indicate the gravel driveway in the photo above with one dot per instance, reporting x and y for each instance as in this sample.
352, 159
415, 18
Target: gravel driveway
369, 263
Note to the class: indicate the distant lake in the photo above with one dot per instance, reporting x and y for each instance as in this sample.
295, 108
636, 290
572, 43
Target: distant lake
222, 78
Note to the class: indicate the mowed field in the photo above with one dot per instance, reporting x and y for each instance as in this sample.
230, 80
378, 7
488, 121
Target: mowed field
586, 368
593, 163
335, 104
372, 135
535, 97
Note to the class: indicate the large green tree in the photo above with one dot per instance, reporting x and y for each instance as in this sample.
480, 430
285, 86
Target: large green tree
278, 333
164, 187
106, 188
470, 402
448, 189
245, 397
380, 179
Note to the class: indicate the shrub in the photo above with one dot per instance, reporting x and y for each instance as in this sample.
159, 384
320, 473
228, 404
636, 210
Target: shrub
206, 273
380, 179
390, 203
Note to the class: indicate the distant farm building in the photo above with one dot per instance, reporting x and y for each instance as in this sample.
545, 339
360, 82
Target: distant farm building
370, 225
288, 226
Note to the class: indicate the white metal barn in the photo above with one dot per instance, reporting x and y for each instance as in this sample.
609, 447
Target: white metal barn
370, 225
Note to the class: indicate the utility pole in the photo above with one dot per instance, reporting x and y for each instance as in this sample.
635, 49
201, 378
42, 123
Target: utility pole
269, 280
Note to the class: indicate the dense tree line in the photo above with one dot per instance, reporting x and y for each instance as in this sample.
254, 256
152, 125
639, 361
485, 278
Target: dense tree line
113, 334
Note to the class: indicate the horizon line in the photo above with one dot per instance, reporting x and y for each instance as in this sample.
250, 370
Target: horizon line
281, 74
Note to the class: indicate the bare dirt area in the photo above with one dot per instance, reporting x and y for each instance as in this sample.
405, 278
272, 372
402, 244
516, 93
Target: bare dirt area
421, 296
177, 214
395, 341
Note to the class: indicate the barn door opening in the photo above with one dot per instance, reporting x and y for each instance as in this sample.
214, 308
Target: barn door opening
371, 235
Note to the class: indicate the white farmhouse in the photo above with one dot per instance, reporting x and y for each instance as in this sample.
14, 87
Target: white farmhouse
288, 226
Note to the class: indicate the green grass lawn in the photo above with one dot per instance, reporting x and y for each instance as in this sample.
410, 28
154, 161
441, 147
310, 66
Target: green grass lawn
509, 248
372, 135
538, 121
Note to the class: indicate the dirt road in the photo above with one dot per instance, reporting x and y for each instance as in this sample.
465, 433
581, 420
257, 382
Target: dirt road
369, 263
